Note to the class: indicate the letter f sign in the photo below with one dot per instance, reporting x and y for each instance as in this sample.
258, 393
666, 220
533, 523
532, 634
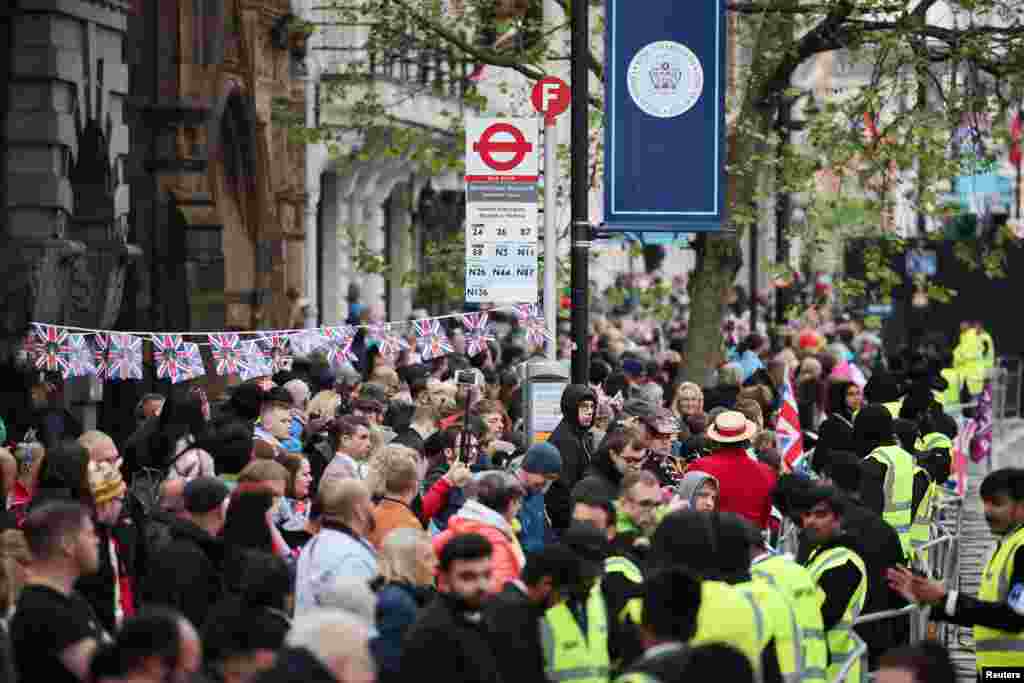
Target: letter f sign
550, 97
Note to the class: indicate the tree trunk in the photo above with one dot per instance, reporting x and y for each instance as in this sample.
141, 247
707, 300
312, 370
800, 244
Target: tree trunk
719, 256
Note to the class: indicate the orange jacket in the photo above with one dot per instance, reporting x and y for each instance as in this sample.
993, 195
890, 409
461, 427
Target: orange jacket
507, 559
389, 515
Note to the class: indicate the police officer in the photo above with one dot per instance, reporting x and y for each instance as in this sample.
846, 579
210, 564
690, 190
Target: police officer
997, 614
575, 632
752, 620
805, 598
671, 601
839, 572
887, 480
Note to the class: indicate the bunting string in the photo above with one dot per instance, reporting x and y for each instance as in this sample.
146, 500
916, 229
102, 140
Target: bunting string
117, 355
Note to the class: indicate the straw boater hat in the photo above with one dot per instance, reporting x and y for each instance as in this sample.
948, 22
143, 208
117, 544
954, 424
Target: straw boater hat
731, 427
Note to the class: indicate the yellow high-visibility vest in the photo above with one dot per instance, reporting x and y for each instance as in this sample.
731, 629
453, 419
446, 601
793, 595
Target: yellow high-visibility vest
780, 625
634, 607
898, 490
921, 527
726, 616
570, 656
797, 584
841, 643
995, 647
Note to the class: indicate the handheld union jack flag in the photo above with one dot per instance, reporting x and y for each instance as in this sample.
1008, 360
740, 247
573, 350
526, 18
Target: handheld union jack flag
256, 362
788, 437
80, 357
339, 345
52, 349
227, 354
431, 339
172, 362
278, 349
478, 333
124, 357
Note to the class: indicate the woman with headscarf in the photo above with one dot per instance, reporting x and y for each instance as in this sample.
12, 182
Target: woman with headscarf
808, 390
836, 431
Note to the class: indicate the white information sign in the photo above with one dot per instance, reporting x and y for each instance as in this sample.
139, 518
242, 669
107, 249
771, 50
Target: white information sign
501, 210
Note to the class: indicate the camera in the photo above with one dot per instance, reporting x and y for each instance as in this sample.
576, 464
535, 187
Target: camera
469, 378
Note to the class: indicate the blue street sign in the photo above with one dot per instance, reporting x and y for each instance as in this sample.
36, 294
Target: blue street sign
665, 116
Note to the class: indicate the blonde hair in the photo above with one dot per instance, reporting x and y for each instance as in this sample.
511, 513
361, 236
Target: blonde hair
324, 404
94, 439
385, 462
398, 559
13, 551
677, 399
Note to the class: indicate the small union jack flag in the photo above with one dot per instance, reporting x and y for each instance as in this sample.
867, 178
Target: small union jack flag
532, 320
191, 355
278, 349
124, 357
81, 361
431, 341
307, 341
52, 349
339, 345
478, 333
256, 362
171, 361
389, 342
227, 354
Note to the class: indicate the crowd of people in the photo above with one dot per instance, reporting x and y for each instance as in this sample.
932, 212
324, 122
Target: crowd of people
384, 521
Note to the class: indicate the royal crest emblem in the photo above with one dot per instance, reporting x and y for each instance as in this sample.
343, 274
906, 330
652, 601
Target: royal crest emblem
664, 76
665, 79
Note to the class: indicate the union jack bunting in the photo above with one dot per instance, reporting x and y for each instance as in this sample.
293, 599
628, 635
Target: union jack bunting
390, 343
191, 354
227, 354
101, 343
124, 357
172, 362
532, 320
31, 346
52, 349
339, 345
256, 362
278, 350
431, 340
478, 333
307, 341
81, 361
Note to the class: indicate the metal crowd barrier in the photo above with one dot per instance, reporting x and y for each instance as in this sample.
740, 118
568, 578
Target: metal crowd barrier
943, 564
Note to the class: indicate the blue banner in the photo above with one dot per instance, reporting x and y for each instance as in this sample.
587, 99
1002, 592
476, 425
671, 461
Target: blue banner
665, 116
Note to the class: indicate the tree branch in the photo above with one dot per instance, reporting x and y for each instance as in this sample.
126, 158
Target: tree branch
595, 66
482, 54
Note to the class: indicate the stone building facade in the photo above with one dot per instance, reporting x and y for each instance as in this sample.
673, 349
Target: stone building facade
147, 184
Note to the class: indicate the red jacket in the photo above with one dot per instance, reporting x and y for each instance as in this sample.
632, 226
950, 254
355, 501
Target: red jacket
744, 485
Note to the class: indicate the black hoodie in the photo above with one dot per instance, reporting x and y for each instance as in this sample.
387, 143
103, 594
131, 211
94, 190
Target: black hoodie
574, 444
836, 431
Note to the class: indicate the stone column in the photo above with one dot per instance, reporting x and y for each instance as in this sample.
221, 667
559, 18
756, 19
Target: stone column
400, 252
